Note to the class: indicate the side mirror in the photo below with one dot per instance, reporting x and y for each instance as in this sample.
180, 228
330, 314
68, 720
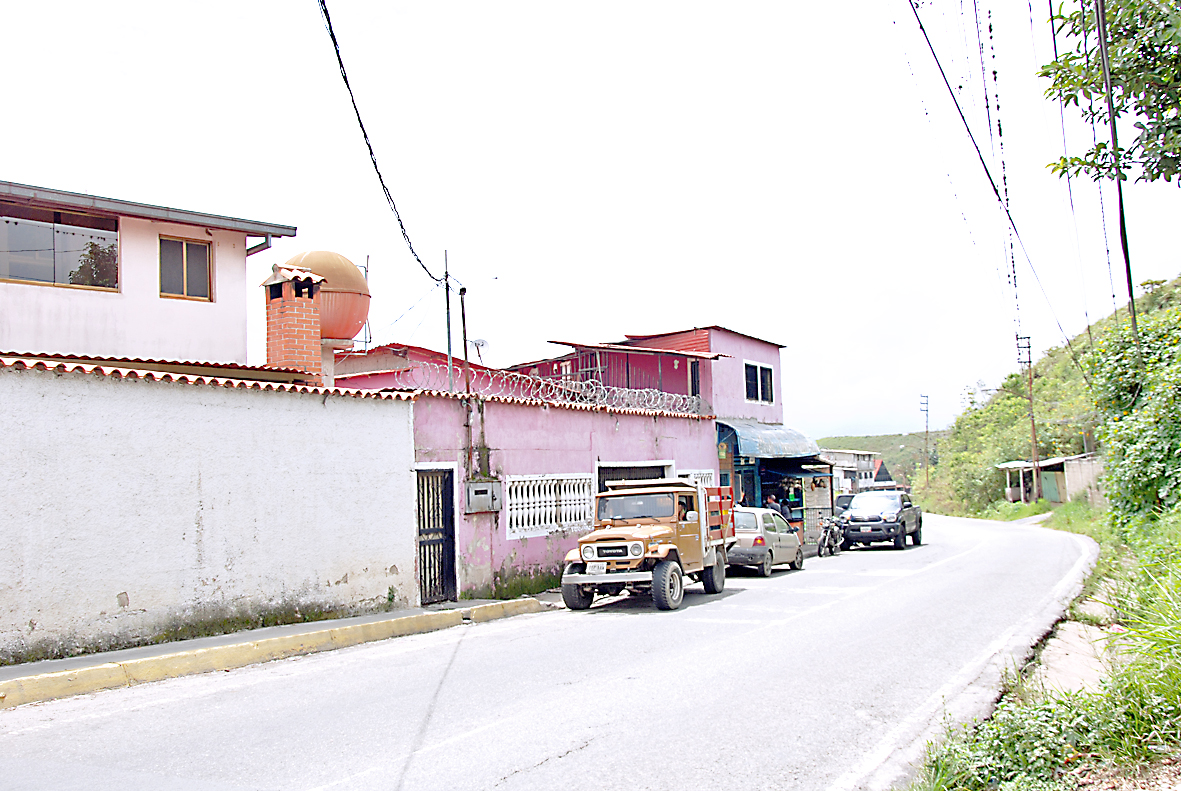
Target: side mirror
691, 516
793, 530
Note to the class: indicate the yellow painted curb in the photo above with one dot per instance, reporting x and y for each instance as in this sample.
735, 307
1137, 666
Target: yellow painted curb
48, 686
503, 609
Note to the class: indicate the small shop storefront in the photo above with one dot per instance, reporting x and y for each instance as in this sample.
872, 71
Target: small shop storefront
759, 459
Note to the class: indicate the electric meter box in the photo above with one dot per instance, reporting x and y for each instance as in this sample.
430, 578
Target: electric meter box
484, 496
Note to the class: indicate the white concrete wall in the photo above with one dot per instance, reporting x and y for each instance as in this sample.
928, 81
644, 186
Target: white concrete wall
136, 321
193, 501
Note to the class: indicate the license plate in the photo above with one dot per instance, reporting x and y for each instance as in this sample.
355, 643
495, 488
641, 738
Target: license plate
596, 568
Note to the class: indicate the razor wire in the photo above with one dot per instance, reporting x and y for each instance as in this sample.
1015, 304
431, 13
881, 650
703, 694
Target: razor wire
510, 384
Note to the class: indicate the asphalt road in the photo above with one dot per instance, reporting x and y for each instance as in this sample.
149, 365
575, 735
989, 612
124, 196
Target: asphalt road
829, 678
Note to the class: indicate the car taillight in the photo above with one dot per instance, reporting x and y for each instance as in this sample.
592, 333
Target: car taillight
760, 542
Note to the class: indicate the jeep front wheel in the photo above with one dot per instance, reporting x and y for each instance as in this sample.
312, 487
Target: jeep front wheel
668, 586
577, 597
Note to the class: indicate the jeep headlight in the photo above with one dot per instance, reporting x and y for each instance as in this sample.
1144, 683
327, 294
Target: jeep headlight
636, 549
890, 517
588, 552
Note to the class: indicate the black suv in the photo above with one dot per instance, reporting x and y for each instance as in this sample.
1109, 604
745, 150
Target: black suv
882, 516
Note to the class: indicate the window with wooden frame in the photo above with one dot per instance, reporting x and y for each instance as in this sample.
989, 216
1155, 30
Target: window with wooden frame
185, 269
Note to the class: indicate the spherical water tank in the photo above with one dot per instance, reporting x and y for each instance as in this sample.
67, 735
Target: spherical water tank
344, 294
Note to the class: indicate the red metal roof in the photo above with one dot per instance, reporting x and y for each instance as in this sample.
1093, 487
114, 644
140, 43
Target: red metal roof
619, 347
696, 340
422, 351
698, 329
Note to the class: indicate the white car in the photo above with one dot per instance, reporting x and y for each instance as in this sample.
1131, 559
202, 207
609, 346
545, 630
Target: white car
765, 540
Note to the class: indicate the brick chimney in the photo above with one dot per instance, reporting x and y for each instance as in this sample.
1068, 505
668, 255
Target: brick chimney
293, 320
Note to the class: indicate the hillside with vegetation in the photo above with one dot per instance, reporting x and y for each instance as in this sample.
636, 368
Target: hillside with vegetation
994, 426
903, 453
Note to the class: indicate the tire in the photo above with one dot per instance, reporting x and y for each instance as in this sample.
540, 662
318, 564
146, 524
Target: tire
900, 539
668, 585
916, 537
837, 544
714, 577
823, 546
574, 596
846, 545
767, 565
798, 563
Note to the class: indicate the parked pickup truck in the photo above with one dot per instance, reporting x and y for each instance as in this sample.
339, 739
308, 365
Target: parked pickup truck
882, 516
649, 536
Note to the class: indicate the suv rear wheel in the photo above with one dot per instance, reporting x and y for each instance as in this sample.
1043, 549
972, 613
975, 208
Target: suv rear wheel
714, 577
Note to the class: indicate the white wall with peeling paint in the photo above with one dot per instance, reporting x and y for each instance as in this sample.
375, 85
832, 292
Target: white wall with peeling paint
130, 506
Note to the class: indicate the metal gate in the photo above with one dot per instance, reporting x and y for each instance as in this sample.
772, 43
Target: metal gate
436, 536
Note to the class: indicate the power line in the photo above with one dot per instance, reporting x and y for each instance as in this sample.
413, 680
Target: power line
1012, 223
372, 156
1069, 188
1095, 142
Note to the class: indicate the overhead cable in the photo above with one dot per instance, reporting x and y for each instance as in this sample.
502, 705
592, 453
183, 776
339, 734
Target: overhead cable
372, 156
1069, 189
995, 191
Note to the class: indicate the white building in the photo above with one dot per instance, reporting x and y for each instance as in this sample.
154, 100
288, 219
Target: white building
852, 470
96, 277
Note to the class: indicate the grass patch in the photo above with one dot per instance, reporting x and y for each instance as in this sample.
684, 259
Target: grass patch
512, 584
1003, 511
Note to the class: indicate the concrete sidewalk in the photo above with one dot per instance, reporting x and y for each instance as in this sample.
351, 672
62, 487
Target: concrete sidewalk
78, 675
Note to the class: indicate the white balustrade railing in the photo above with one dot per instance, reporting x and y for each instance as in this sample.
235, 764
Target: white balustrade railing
509, 384
542, 504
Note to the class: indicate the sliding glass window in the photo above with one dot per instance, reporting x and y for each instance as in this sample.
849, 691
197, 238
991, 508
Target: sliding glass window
184, 268
58, 248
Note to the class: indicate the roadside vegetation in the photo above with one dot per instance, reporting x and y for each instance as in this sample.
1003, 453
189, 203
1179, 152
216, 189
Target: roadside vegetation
1040, 738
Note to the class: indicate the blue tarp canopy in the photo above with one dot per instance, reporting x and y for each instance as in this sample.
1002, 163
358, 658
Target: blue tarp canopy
764, 441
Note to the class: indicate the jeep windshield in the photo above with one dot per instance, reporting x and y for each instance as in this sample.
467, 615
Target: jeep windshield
635, 506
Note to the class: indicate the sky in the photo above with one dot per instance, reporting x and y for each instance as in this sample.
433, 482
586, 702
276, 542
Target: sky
787, 170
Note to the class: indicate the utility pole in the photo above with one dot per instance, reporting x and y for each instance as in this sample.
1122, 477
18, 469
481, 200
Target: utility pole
467, 367
447, 297
923, 407
1025, 359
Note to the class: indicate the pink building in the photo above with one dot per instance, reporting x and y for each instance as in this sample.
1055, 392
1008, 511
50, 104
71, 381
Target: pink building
507, 475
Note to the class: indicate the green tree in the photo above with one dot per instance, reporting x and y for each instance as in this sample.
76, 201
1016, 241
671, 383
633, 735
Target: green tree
98, 265
1145, 53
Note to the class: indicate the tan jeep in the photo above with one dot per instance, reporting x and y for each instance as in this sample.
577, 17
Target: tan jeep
650, 535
